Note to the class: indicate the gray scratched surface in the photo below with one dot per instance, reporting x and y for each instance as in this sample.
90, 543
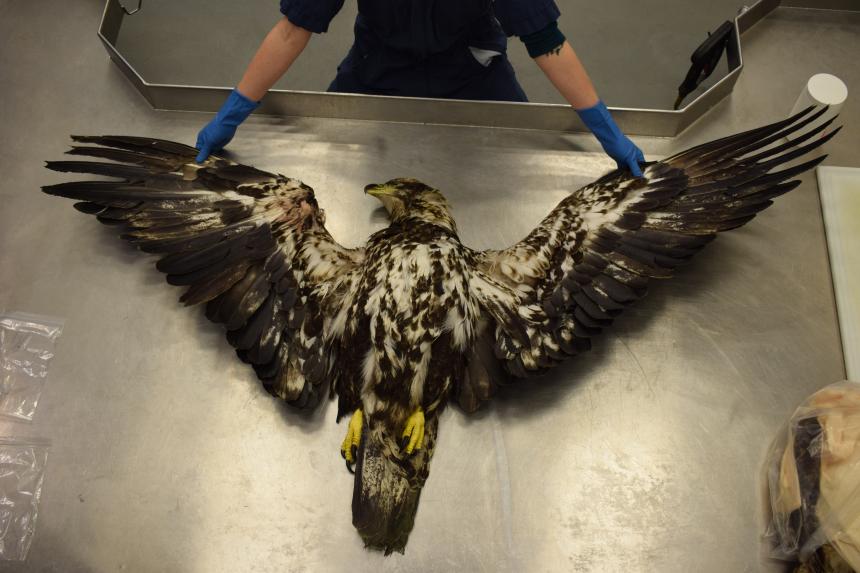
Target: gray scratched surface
644, 455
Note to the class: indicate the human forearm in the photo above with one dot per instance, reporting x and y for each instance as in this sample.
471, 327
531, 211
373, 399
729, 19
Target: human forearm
563, 68
276, 54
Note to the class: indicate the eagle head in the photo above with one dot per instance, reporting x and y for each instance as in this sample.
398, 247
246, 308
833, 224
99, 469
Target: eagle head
405, 198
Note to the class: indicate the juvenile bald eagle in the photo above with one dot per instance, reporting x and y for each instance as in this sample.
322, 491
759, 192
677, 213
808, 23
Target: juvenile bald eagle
398, 328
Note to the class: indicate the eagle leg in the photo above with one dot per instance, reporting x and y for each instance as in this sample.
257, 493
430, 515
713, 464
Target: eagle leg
413, 434
349, 447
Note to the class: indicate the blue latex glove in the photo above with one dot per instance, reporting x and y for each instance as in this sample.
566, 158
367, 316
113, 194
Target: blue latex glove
615, 144
221, 130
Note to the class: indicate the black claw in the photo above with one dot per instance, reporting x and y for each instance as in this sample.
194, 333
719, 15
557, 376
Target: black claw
343, 454
354, 451
349, 468
404, 441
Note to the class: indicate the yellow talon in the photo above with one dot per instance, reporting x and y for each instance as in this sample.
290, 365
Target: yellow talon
414, 431
353, 437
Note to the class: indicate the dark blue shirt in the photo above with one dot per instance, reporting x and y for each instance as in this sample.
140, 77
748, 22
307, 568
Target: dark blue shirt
423, 47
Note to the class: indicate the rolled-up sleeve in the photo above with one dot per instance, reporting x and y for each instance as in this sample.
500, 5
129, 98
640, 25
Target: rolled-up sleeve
523, 17
312, 15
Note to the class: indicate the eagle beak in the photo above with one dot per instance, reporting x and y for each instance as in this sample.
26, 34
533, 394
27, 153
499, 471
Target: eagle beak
377, 190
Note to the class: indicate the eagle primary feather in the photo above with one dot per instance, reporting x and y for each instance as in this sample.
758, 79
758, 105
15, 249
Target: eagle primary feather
415, 318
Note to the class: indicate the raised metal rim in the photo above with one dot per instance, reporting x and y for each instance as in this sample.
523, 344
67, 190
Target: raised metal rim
539, 116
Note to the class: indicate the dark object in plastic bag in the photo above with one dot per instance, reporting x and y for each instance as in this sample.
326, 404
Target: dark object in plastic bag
814, 481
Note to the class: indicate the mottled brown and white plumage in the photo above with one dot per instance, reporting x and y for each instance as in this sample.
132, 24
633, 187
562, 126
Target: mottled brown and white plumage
415, 318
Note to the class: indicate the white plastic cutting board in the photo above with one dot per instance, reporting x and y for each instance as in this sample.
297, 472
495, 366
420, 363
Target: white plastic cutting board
840, 202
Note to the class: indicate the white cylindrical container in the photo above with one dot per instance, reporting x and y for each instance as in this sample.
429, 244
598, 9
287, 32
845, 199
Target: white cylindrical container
821, 90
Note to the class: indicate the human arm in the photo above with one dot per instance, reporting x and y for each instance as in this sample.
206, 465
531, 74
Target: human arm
559, 62
276, 54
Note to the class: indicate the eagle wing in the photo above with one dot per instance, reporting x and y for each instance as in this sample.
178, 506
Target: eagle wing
250, 244
544, 298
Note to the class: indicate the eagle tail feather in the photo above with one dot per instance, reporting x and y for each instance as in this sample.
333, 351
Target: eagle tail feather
388, 484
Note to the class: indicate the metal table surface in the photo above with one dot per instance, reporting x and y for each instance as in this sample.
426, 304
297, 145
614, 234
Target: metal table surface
644, 455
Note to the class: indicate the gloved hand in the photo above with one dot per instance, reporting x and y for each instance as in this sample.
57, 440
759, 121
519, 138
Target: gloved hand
220, 130
615, 144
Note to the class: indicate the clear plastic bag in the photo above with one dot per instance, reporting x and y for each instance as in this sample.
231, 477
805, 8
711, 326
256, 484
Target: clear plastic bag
22, 467
814, 482
26, 348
